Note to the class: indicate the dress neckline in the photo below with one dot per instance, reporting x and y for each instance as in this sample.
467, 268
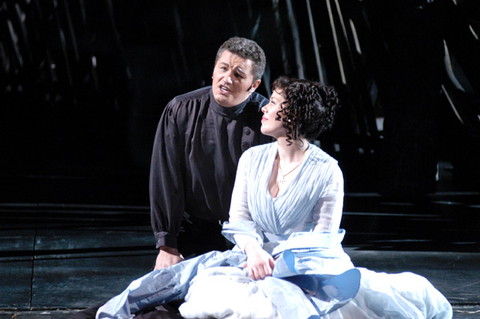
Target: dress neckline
282, 187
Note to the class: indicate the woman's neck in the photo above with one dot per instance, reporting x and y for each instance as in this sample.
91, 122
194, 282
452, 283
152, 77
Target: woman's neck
288, 160
292, 153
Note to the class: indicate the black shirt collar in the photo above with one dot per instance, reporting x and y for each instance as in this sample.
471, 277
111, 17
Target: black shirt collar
227, 111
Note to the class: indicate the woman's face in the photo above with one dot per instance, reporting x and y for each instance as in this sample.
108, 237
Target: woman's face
270, 125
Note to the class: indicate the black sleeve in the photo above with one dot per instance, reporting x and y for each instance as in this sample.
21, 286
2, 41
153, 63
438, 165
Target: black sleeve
167, 204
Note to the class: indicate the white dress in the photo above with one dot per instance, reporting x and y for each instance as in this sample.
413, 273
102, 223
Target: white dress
300, 228
311, 206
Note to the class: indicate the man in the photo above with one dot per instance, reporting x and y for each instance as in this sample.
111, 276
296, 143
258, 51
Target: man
199, 140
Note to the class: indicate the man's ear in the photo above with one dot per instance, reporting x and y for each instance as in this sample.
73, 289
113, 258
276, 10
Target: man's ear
254, 86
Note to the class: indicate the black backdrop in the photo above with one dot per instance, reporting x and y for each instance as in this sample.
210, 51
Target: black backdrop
83, 84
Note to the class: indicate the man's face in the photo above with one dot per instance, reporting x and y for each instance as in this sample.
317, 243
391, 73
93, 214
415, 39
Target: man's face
232, 79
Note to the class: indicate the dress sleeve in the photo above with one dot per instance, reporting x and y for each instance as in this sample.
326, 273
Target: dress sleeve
239, 203
327, 213
166, 179
239, 212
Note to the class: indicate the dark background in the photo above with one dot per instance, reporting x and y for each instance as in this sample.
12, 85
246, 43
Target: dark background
83, 84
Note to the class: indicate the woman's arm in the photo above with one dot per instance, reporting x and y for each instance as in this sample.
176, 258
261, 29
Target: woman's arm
239, 211
259, 263
327, 213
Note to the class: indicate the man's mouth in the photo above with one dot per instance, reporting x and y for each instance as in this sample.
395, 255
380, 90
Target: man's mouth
225, 89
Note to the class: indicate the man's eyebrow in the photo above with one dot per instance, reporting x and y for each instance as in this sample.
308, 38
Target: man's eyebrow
240, 71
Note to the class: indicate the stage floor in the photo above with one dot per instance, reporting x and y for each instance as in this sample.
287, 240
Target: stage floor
56, 258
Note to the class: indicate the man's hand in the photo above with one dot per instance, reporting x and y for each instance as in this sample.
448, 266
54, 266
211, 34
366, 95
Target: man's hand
259, 263
167, 257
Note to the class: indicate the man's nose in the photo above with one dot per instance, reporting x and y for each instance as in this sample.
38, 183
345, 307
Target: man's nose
228, 78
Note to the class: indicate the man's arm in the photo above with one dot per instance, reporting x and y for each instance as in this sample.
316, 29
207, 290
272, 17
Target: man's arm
166, 187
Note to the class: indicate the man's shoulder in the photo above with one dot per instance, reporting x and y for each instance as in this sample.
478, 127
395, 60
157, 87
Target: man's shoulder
197, 94
184, 104
254, 105
257, 100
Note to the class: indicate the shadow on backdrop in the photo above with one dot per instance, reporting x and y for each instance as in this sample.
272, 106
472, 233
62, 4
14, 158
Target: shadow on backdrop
83, 84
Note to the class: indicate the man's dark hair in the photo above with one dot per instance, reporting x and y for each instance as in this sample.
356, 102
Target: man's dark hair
247, 49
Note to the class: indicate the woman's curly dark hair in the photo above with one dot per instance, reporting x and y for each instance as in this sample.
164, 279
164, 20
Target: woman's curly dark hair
310, 107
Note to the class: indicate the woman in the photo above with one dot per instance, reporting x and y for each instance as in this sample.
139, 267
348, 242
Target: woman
284, 219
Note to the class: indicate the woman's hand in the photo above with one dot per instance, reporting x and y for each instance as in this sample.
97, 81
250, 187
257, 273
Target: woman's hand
259, 263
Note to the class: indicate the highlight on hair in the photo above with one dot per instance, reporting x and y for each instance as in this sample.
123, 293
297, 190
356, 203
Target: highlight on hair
247, 49
310, 107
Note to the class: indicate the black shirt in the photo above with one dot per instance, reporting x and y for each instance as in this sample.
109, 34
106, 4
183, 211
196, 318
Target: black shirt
195, 155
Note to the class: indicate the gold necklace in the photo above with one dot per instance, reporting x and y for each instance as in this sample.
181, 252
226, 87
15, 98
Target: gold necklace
284, 175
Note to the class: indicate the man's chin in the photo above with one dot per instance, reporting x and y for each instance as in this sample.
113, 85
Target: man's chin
223, 100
